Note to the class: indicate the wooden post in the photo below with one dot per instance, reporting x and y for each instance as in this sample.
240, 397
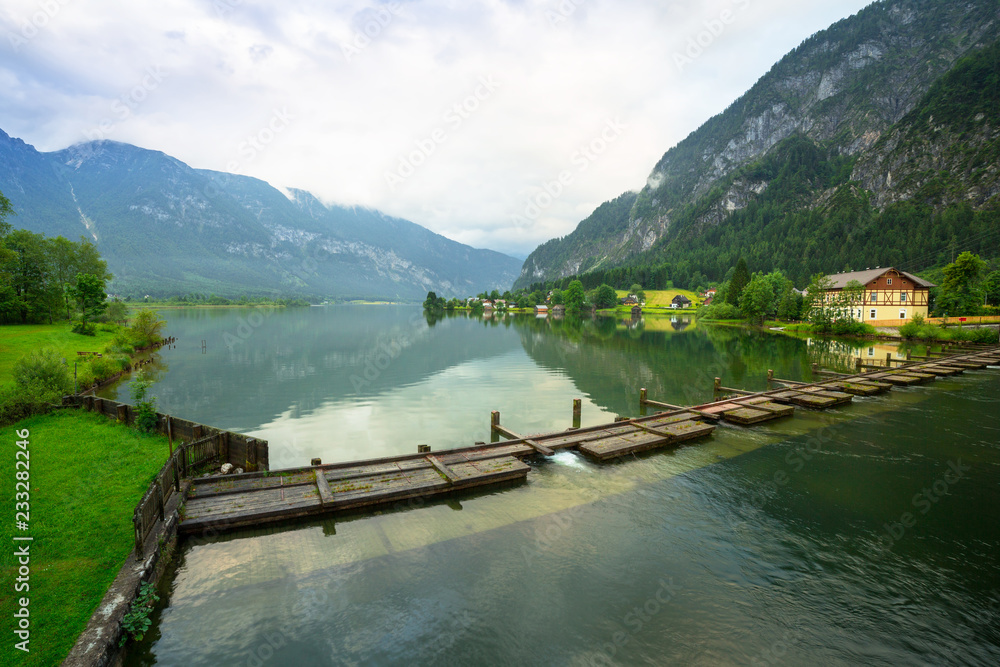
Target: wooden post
177, 472
158, 492
123, 413
494, 421
642, 396
224, 446
907, 355
888, 359
316, 462
815, 368
718, 385
196, 432
423, 449
857, 364
137, 528
770, 375
170, 434
577, 412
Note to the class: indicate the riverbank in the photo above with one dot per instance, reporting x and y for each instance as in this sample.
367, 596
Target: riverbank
86, 476
18, 340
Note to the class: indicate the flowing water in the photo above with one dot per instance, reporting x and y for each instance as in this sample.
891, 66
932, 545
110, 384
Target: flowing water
866, 534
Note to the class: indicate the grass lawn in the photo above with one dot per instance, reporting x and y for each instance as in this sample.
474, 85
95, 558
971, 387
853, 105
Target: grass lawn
18, 340
87, 474
663, 298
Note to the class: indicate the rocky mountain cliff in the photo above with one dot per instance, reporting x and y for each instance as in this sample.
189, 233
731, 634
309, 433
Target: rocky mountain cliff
166, 228
846, 90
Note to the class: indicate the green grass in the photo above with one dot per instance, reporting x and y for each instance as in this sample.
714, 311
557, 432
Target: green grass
87, 474
18, 340
663, 298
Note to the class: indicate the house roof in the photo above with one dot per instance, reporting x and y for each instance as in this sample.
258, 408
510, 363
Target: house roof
840, 280
680, 298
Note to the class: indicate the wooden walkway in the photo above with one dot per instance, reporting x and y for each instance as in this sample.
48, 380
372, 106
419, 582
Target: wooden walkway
251, 499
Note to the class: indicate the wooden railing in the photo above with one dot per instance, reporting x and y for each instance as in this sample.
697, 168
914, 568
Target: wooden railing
153, 504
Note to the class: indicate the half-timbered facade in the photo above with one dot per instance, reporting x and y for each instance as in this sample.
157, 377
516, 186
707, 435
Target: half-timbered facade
889, 294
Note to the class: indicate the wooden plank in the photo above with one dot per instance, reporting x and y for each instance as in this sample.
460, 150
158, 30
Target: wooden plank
443, 469
264, 505
746, 416
764, 403
858, 388
325, 496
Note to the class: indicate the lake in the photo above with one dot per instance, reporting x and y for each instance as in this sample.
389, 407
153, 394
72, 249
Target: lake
864, 534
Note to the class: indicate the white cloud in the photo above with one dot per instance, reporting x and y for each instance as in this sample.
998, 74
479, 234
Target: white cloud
367, 82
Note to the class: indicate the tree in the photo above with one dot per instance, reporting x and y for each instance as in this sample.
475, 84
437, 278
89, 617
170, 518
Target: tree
991, 286
574, 297
851, 297
757, 299
557, 297
146, 328
790, 306
816, 306
433, 302
605, 296
740, 279
89, 293
961, 290
31, 293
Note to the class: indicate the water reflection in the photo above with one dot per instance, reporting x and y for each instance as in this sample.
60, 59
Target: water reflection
355, 382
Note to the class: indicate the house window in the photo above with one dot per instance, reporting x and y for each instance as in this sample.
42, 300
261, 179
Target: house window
902, 313
872, 314
902, 297
888, 281
871, 352
874, 297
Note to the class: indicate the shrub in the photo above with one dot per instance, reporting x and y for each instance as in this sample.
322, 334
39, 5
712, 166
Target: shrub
719, 311
853, 328
146, 328
84, 328
40, 381
44, 371
146, 419
136, 620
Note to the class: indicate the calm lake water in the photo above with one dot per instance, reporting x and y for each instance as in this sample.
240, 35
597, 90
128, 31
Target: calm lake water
867, 534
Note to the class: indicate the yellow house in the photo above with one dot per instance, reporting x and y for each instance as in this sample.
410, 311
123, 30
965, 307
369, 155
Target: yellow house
889, 294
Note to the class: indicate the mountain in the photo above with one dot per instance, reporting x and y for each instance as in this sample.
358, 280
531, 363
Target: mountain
166, 228
830, 161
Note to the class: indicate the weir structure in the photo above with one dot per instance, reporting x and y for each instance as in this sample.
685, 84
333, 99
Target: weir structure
234, 501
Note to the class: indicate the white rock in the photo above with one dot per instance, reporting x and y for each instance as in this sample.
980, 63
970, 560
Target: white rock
238, 471
226, 468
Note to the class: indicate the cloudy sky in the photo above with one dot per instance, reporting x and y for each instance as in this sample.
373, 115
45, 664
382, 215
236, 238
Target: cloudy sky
500, 124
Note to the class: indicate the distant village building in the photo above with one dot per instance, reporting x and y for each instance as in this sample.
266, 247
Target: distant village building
636, 311
680, 301
889, 294
630, 300
558, 310
542, 310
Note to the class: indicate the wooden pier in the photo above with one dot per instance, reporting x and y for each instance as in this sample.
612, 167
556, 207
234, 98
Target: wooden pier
250, 499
